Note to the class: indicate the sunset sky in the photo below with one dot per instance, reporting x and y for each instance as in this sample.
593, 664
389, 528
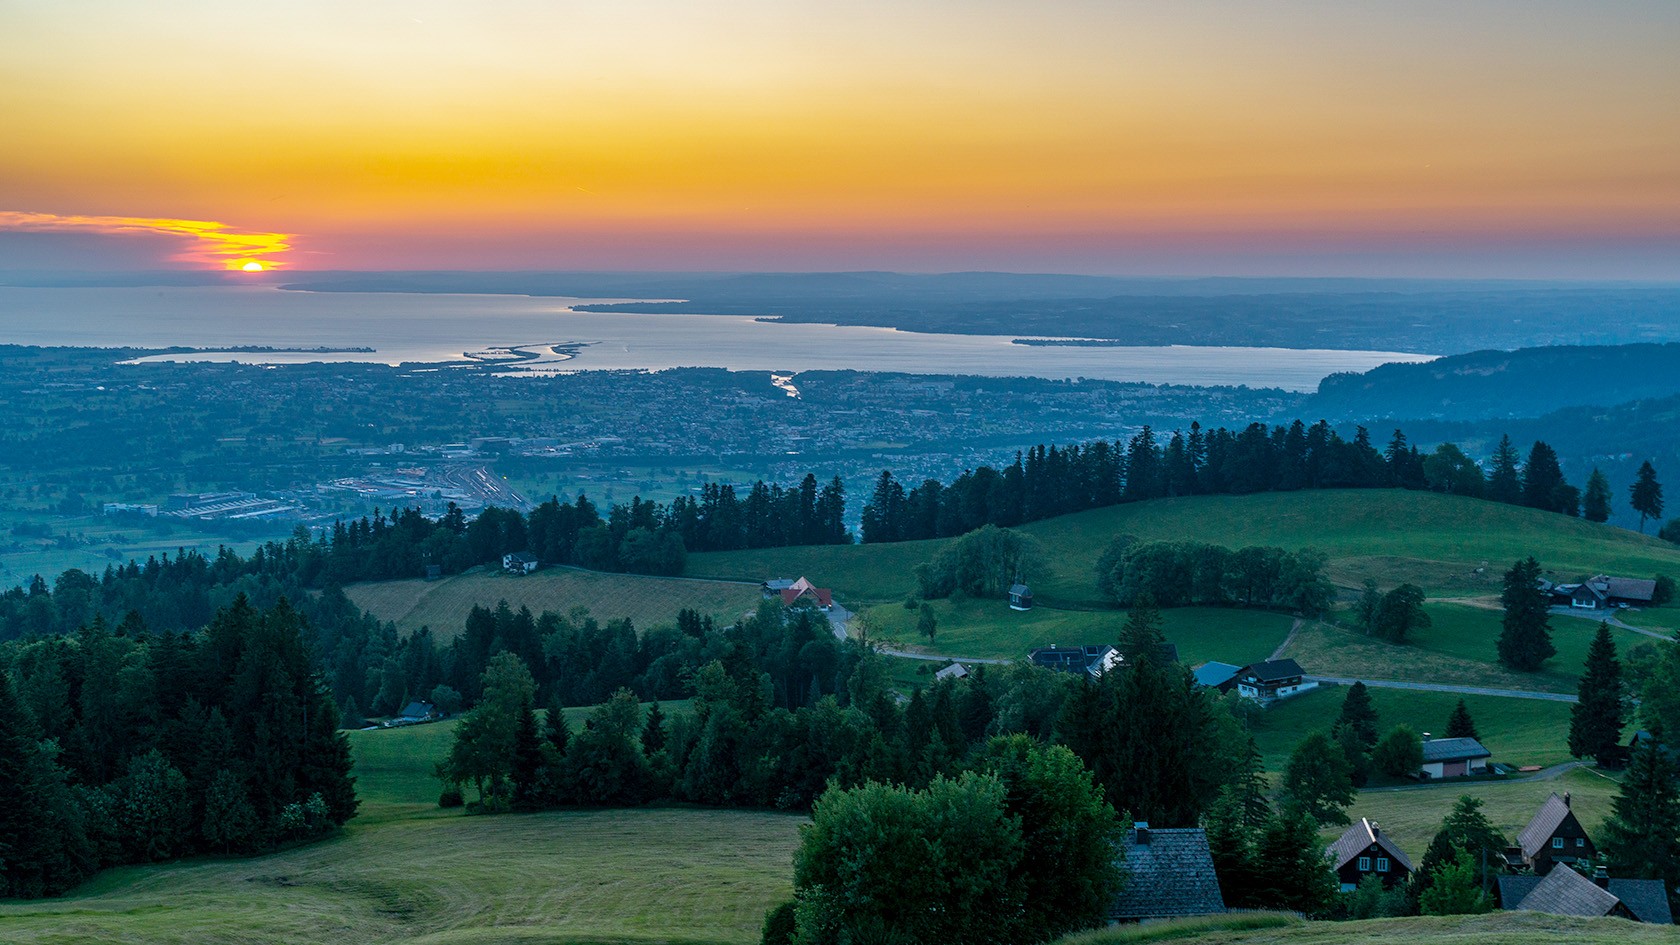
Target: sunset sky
1522, 139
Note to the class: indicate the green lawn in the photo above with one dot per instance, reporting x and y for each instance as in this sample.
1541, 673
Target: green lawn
1661, 619
1517, 731
859, 574
988, 628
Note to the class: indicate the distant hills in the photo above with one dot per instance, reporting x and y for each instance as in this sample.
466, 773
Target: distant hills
1482, 385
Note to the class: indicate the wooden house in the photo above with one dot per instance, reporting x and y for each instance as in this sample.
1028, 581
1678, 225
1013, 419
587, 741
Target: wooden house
1364, 850
1554, 836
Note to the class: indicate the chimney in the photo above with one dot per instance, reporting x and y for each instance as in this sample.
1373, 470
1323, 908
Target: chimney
1566, 798
1601, 878
1376, 829
1142, 828
1427, 736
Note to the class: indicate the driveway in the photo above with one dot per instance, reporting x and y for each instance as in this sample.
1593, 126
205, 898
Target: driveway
1440, 687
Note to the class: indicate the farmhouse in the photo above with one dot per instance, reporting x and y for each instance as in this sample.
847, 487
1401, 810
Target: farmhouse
1093, 659
1453, 758
1364, 850
1554, 836
953, 671
1169, 874
1272, 680
1566, 892
520, 562
1603, 592
1020, 597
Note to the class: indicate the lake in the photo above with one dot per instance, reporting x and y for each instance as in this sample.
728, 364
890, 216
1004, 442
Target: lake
404, 328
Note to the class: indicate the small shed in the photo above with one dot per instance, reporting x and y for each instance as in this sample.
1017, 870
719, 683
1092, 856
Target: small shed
1020, 597
1453, 758
953, 671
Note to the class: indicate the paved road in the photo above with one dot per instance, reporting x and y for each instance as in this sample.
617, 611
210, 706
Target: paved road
839, 618
1594, 615
1441, 687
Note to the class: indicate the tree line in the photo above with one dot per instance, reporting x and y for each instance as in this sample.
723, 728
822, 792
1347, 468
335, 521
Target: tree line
127, 746
1047, 481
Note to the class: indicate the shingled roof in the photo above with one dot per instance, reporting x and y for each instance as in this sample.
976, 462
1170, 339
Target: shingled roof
1453, 749
1168, 873
1274, 670
1644, 898
1640, 589
1545, 823
1357, 839
1566, 892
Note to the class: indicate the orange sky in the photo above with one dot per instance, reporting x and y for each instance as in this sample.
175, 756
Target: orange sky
1490, 138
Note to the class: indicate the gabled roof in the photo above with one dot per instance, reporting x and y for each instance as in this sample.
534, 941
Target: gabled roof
822, 595
1545, 823
953, 671
1019, 590
1453, 749
522, 557
1514, 886
1566, 892
1357, 839
1215, 674
802, 585
1629, 588
1273, 670
417, 710
1644, 898
1170, 873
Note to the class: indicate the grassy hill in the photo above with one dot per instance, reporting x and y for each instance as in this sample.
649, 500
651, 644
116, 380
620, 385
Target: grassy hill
406, 871
443, 605
1449, 545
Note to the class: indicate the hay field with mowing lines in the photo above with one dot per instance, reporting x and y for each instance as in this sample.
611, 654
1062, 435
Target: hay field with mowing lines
647, 601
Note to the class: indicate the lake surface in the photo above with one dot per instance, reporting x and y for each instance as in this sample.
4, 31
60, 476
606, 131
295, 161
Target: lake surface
403, 328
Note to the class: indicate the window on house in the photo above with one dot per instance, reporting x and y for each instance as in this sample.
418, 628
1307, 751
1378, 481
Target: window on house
1364, 864
1557, 843
1580, 841
1382, 864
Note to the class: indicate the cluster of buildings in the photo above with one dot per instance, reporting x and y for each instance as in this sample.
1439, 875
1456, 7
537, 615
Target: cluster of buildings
1170, 872
1602, 592
1548, 869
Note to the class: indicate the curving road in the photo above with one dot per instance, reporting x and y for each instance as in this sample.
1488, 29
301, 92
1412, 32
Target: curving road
839, 618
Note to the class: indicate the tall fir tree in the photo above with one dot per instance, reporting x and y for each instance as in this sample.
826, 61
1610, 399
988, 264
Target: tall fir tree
1140, 636
653, 730
1359, 714
1504, 484
1460, 724
1595, 503
1525, 642
1600, 711
1465, 831
1542, 479
1645, 495
1641, 838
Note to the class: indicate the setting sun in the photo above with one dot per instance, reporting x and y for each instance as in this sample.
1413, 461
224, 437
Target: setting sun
252, 266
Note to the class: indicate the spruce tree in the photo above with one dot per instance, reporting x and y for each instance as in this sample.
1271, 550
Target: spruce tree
1526, 640
1646, 494
529, 767
653, 730
1600, 712
1369, 605
1641, 839
1466, 830
555, 729
1542, 478
1140, 638
1359, 714
1293, 872
1461, 725
1503, 484
1595, 504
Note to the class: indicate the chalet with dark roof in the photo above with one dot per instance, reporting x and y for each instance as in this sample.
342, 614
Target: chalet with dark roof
1453, 758
1554, 836
520, 562
1566, 892
1272, 680
1603, 592
1169, 874
1364, 850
